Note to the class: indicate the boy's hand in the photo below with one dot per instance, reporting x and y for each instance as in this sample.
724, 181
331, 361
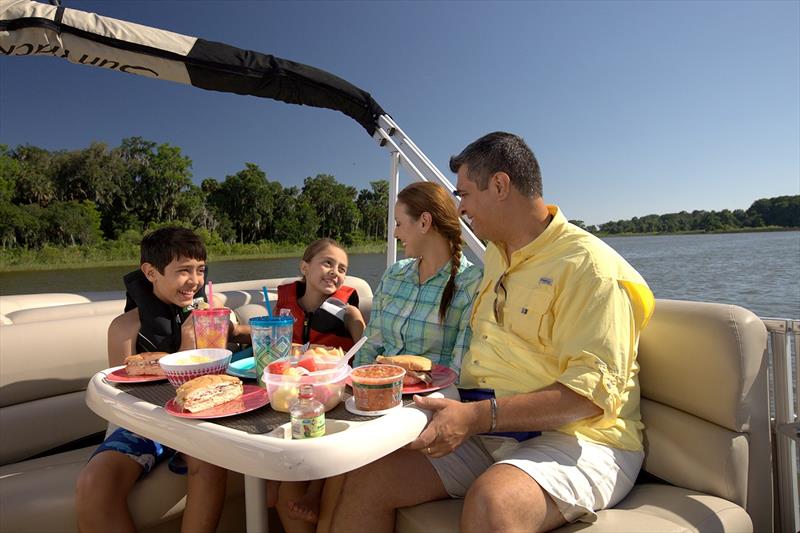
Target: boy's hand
239, 333
187, 334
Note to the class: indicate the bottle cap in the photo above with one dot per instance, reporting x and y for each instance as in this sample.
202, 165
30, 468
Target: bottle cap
306, 391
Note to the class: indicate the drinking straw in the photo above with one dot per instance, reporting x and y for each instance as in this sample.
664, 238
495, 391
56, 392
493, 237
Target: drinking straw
210, 295
266, 301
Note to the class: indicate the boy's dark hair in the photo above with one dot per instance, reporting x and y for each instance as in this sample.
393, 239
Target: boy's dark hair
162, 246
501, 152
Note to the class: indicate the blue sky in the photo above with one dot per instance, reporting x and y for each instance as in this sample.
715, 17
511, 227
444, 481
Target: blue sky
632, 108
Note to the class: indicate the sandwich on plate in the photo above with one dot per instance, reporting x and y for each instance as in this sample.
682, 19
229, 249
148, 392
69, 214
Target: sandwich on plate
144, 364
208, 391
418, 368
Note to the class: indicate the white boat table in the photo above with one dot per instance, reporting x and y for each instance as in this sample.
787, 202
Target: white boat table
347, 445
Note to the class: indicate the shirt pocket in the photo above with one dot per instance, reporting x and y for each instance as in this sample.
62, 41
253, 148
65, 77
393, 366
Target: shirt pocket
528, 312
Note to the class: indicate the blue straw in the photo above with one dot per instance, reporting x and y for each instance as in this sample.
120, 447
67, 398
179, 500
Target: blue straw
266, 301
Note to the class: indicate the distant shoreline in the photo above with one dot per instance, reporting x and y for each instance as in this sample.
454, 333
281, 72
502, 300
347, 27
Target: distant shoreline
69, 261
768, 229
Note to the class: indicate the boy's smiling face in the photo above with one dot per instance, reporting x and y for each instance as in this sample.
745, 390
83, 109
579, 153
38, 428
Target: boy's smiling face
181, 279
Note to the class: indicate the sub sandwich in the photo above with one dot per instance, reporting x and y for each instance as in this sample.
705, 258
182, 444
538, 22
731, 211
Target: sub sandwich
418, 368
144, 364
208, 391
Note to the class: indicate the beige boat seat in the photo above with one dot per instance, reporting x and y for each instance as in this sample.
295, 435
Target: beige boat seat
707, 438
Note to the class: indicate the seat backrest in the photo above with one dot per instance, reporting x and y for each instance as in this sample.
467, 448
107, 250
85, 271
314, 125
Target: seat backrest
705, 403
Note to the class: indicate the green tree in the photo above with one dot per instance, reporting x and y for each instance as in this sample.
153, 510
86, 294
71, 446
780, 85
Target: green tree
164, 176
34, 183
247, 200
9, 173
373, 204
73, 222
335, 206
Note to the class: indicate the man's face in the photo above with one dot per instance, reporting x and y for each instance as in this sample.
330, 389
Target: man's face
474, 204
181, 279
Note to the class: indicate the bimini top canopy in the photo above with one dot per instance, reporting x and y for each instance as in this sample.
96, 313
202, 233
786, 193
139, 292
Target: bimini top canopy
30, 28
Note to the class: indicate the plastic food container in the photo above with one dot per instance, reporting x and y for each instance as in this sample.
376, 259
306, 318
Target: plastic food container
377, 387
328, 383
181, 367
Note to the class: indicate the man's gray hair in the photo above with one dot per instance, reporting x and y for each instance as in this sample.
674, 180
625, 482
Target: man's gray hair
501, 152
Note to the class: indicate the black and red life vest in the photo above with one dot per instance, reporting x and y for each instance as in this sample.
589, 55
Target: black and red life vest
320, 326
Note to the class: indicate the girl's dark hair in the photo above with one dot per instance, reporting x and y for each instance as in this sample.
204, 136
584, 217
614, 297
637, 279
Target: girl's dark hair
426, 197
164, 245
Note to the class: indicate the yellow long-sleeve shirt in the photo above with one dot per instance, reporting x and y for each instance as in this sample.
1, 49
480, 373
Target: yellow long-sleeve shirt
572, 312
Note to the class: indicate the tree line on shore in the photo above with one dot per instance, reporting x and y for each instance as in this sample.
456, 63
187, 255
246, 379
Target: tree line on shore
777, 212
106, 197
100, 194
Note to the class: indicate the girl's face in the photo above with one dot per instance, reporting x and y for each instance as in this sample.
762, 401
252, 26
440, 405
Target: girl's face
408, 230
326, 271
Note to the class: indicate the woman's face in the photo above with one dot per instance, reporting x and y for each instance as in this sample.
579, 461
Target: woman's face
407, 230
326, 271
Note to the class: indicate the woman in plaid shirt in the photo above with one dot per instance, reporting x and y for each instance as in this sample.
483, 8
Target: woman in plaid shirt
422, 304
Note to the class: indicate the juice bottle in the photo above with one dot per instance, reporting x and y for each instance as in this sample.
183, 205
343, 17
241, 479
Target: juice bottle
308, 415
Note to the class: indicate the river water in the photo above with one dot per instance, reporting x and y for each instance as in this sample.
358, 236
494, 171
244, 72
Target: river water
759, 271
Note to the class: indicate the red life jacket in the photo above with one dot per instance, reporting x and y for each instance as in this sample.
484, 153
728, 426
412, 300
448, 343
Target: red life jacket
306, 324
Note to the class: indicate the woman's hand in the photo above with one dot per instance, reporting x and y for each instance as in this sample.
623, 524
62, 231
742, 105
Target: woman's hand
452, 423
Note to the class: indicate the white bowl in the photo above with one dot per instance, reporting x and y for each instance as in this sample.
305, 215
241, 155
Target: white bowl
181, 367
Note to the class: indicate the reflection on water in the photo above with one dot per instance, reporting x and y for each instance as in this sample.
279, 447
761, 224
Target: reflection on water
759, 271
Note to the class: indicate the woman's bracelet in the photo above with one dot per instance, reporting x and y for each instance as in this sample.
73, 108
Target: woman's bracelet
493, 404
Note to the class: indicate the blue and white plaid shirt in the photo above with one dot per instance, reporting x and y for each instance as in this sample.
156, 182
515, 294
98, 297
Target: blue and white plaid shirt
405, 314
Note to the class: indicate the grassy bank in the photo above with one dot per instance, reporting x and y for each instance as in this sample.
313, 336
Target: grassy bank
122, 254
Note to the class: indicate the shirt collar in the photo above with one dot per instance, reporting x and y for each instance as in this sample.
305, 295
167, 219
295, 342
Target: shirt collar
547, 237
411, 271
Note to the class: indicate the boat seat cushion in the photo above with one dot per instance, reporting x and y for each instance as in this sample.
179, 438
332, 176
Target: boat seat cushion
648, 507
39, 494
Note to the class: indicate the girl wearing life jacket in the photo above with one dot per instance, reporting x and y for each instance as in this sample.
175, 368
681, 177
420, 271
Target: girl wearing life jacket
325, 311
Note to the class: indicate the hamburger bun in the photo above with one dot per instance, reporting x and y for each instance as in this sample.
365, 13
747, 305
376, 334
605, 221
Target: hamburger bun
144, 364
418, 368
208, 391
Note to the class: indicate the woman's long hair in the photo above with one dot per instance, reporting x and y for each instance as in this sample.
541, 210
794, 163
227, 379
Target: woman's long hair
426, 197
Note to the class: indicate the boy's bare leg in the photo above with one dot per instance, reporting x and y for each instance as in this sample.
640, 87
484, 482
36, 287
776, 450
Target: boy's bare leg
205, 496
401, 479
288, 493
101, 493
306, 507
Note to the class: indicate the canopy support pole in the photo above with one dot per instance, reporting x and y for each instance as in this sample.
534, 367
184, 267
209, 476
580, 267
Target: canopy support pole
420, 168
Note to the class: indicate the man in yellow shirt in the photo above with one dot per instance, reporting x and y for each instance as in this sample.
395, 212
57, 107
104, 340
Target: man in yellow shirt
556, 326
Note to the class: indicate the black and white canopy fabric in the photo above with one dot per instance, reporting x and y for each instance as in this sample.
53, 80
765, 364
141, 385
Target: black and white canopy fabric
29, 28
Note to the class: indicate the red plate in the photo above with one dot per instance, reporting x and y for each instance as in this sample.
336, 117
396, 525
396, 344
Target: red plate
120, 375
441, 377
253, 398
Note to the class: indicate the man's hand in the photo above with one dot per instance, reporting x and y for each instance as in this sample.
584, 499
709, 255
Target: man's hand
452, 423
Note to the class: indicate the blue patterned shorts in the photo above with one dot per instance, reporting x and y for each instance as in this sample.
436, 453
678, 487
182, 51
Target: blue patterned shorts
147, 453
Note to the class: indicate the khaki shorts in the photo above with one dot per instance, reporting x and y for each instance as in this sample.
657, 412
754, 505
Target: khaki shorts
580, 476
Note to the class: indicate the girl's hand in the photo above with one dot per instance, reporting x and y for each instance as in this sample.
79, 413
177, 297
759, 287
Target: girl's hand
354, 322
